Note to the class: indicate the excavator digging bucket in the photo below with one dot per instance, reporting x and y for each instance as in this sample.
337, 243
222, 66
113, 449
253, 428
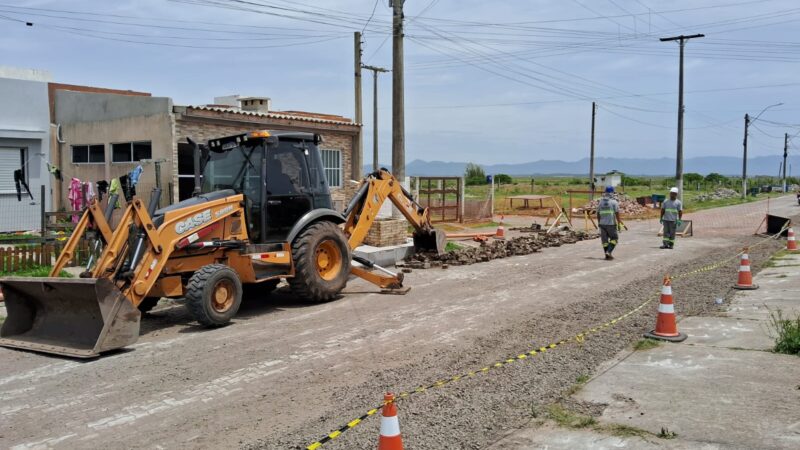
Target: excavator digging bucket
73, 317
430, 241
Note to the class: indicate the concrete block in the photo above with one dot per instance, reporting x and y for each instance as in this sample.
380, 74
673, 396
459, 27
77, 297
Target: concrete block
386, 256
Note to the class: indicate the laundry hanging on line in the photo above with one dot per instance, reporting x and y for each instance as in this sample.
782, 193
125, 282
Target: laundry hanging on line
102, 189
19, 182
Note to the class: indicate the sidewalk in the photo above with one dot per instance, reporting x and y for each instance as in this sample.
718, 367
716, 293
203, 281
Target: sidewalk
721, 388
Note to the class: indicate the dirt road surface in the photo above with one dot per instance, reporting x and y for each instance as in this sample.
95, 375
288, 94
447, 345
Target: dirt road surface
284, 374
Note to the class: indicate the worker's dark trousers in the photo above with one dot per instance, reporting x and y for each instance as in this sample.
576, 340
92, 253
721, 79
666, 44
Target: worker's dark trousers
609, 237
669, 233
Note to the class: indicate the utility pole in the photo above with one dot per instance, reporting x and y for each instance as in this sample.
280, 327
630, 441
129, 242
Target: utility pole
398, 106
785, 154
591, 155
747, 123
375, 71
358, 151
679, 157
744, 157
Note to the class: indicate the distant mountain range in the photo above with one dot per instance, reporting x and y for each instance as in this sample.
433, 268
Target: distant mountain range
726, 165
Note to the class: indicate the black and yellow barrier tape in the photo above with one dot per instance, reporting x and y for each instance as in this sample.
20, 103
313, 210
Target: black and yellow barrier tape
578, 338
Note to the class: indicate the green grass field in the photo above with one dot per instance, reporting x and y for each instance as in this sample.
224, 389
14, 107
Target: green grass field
558, 188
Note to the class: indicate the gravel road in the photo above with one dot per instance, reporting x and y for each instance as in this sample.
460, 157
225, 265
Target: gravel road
286, 373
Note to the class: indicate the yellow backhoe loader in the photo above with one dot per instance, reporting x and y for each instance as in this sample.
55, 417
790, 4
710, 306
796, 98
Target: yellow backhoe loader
261, 212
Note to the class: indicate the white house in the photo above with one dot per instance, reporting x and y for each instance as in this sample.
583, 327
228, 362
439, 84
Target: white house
24, 147
613, 178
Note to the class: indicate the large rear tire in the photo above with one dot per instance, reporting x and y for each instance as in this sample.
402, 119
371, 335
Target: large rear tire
321, 257
213, 295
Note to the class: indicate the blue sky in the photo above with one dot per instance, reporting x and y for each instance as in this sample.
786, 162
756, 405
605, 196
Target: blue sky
504, 81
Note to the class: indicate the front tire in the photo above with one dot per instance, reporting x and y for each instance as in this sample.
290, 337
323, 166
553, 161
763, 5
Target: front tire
213, 295
321, 257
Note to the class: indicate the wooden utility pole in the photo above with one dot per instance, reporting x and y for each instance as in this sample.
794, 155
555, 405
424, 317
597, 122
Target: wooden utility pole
358, 151
398, 107
375, 71
591, 155
785, 154
744, 157
679, 157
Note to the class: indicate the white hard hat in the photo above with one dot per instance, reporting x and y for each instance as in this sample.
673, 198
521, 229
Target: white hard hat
673, 190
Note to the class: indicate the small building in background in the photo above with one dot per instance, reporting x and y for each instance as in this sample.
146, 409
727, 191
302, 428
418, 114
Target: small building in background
24, 142
104, 135
613, 178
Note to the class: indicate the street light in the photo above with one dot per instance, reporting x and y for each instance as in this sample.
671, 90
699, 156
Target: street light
747, 123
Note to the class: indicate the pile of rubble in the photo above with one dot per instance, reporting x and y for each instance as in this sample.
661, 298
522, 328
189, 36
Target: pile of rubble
496, 249
718, 194
627, 206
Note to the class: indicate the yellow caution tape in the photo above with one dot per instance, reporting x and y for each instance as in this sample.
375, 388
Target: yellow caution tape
578, 338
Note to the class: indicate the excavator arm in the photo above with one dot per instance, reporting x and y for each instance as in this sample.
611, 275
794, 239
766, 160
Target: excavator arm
362, 211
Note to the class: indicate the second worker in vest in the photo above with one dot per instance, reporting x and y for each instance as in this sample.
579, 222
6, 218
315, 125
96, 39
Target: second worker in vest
608, 219
671, 215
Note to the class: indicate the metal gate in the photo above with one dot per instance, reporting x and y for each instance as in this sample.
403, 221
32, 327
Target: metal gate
443, 196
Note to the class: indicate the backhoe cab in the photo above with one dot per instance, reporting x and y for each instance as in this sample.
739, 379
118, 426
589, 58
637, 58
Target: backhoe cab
261, 212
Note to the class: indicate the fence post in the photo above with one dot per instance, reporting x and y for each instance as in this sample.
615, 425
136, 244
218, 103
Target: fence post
43, 210
461, 200
492, 198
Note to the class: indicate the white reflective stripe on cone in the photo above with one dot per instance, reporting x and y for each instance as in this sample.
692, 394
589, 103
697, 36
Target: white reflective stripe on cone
745, 256
666, 309
744, 268
390, 426
791, 238
666, 290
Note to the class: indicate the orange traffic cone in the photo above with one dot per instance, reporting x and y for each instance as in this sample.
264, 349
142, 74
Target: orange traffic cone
666, 327
745, 281
501, 232
791, 244
390, 427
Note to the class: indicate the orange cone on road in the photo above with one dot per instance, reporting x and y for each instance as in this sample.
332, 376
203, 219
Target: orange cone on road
791, 243
745, 281
666, 326
501, 232
390, 427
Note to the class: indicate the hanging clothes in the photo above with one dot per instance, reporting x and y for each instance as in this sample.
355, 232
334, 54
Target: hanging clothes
127, 191
89, 191
102, 189
114, 189
19, 182
55, 171
135, 174
75, 197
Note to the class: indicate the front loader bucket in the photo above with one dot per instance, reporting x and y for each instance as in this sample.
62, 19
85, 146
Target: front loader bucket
74, 317
430, 241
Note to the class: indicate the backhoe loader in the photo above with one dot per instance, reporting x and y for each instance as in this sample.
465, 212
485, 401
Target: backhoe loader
261, 212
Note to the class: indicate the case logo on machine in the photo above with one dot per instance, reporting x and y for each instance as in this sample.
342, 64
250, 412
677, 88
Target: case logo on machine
193, 222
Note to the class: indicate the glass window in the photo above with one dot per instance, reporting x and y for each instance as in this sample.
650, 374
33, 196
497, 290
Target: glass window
82, 154
287, 173
332, 163
97, 153
121, 152
131, 151
142, 150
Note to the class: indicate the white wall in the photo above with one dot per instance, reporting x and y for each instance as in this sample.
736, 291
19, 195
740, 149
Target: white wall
24, 123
